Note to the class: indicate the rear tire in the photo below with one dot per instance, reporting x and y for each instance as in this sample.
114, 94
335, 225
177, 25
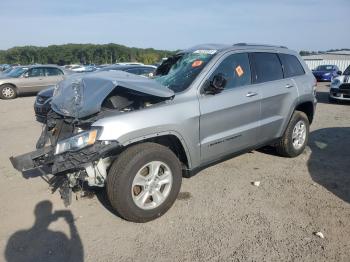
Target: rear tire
8, 92
124, 193
295, 137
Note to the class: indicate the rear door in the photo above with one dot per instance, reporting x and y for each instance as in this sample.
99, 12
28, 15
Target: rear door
52, 76
278, 94
229, 121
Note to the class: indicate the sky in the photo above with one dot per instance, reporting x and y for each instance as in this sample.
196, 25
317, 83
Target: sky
162, 24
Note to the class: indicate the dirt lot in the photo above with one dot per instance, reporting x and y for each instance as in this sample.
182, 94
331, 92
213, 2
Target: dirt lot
219, 215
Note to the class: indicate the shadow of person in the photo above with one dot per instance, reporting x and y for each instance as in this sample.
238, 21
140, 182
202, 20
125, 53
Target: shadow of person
41, 244
329, 162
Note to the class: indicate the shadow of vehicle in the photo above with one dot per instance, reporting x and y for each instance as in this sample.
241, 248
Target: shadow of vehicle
41, 244
329, 162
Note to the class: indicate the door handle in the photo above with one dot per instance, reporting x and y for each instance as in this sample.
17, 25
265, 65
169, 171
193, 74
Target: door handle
289, 85
251, 94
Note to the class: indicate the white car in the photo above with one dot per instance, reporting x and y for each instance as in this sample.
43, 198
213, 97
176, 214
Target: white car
340, 87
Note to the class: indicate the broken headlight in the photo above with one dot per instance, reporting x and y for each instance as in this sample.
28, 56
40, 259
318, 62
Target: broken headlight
77, 142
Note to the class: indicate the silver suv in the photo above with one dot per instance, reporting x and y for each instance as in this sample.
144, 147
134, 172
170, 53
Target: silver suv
138, 137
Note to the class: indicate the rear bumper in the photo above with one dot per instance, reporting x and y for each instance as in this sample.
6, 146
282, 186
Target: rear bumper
321, 78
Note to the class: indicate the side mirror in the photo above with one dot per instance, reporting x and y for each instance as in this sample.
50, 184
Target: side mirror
339, 72
25, 75
216, 85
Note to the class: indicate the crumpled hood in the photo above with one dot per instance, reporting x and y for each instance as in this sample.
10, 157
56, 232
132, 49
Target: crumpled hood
79, 96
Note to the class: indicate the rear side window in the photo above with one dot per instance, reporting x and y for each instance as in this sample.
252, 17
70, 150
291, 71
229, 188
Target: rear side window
36, 72
291, 65
266, 67
50, 71
236, 70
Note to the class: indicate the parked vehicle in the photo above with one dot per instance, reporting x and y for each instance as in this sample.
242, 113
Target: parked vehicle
43, 99
145, 70
83, 68
42, 104
138, 136
6, 71
4, 67
340, 87
24, 80
326, 72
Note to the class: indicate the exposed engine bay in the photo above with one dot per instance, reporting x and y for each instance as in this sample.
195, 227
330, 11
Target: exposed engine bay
68, 145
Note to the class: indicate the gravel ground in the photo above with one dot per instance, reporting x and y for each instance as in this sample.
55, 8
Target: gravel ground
219, 215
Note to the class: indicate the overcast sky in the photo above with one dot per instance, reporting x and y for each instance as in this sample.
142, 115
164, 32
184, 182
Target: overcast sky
162, 24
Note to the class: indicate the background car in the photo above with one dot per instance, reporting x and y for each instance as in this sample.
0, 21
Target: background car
326, 72
340, 87
137, 69
29, 80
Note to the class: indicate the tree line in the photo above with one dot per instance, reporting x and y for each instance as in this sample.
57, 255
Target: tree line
81, 54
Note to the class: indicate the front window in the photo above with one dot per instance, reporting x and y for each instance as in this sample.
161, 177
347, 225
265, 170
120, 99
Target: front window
236, 70
16, 72
179, 71
324, 68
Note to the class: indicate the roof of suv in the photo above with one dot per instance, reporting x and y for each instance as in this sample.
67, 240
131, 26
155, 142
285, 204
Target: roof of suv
238, 46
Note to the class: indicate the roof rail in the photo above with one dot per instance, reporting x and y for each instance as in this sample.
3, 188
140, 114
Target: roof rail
247, 44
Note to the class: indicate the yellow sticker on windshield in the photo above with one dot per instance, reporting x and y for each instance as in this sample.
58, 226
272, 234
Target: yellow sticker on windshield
239, 71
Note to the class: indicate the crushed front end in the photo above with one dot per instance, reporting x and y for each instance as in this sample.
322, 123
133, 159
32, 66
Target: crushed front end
69, 146
71, 151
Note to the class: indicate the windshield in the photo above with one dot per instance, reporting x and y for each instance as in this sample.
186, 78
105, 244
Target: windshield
17, 72
179, 71
324, 68
347, 71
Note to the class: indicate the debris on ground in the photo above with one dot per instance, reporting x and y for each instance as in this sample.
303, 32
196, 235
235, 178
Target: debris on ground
256, 183
319, 234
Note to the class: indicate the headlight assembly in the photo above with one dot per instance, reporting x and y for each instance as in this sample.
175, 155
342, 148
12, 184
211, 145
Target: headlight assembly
77, 142
335, 83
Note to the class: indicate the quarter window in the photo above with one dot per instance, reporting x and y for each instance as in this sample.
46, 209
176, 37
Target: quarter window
267, 67
236, 69
291, 65
53, 71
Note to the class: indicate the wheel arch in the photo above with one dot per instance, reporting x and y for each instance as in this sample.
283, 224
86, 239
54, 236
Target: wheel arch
170, 139
308, 108
10, 84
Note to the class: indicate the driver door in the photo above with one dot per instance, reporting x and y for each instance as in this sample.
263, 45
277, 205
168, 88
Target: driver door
229, 120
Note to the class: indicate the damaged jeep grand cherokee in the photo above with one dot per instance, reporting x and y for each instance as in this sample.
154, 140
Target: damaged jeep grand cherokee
138, 137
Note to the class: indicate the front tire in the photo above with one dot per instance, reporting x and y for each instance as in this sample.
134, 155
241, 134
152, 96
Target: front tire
7, 92
295, 137
144, 181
